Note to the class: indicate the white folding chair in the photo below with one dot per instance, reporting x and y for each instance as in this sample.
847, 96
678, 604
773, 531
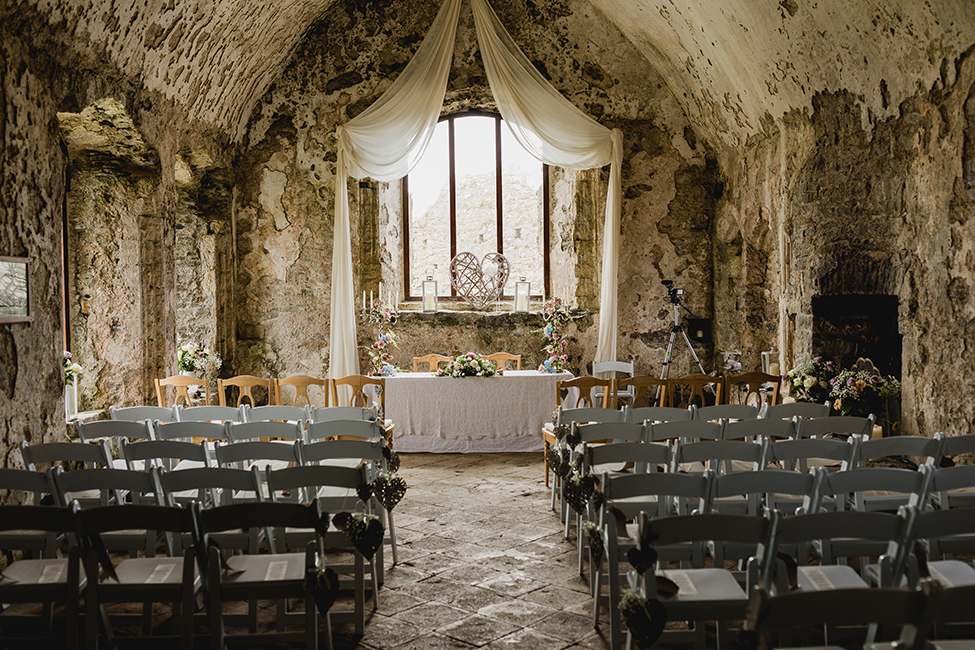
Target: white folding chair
40, 485
149, 579
93, 454
794, 409
361, 429
166, 454
773, 429
343, 413
208, 413
336, 490
299, 414
148, 413
804, 453
656, 414
942, 534
720, 456
726, 412
842, 426
929, 449
954, 487
46, 581
274, 576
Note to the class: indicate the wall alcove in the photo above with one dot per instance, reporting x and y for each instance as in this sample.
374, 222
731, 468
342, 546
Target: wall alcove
849, 326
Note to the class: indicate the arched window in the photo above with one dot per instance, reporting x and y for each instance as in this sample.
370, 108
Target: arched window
475, 190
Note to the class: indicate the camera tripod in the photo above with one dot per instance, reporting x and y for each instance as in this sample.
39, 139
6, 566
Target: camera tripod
676, 299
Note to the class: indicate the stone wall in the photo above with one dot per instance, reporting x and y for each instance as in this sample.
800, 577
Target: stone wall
838, 203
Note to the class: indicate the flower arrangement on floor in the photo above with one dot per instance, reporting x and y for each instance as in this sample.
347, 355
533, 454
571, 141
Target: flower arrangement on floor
810, 380
469, 365
380, 352
197, 359
71, 370
862, 392
558, 317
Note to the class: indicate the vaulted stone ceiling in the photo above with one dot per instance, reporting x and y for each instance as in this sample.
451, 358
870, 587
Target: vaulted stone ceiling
732, 64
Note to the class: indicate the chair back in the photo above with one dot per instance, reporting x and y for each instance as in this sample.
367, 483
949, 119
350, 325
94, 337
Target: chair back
111, 485
794, 409
431, 361
580, 393
726, 412
300, 384
753, 429
93, 454
773, 487
698, 390
214, 485
182, 384
319, 453
645, 457
209, 414
876, 488
52, 519
687, 430
344, 430
356, 386
136, 413
245, 385
194, 431
162, 453
656, 414
797, 452
928, 449
343, 413
610, 431
263, 430
500, 359
658, 493
257, 515
306, 482
255, 452
842, 425
954, 486
276, 412
587, 414
749, 388
648, 392
718, 455
40, 484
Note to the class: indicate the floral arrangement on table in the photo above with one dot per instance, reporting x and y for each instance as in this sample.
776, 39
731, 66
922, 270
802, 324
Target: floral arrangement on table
558, 317
71, 369
810, 380
862, 392
380, 352
197, 359
469, 365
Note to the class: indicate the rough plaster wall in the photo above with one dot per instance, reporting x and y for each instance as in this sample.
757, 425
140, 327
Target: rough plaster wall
735, 63
31, 200
345, 64
881, 211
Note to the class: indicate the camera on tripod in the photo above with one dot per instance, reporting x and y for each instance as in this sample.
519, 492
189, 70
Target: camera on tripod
676, 295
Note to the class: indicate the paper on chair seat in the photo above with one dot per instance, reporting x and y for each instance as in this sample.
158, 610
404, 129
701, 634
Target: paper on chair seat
276, 570
51, 573
684, 585
160, 574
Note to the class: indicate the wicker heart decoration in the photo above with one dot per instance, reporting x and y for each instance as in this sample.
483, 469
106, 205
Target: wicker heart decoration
480, 283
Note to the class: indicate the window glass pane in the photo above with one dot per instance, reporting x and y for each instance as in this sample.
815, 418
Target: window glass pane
430, 215
521, 197
477, 212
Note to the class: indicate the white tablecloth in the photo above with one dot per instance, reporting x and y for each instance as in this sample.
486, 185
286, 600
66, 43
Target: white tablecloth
471, 414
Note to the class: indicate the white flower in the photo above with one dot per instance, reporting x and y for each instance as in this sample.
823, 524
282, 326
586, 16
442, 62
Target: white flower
809, 382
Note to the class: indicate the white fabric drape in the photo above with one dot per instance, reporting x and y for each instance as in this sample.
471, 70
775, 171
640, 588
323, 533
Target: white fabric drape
388, 138
555, 132
384, 142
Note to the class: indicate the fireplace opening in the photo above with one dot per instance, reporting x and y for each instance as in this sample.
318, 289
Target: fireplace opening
847, 327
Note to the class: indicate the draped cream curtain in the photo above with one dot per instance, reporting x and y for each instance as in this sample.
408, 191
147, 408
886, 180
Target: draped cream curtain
387, 139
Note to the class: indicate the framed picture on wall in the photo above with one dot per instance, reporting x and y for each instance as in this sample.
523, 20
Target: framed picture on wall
14, 290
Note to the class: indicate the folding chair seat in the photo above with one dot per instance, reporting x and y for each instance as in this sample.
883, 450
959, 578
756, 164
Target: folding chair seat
339, 484
791, 410
275, 412
707, 593
253, 577
726, 412
209, 414
835, 426
45, 581
783, 614
656, 414
114, 487
143, 413
41, 486
169, 579
659, 494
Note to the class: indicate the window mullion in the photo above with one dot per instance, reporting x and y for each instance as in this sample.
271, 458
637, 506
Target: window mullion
453, 196
497, 176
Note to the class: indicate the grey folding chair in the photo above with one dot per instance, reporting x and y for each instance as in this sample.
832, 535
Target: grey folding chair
804, 453
927, 449
656, 414
361, 429
41, 486
208, 413
45, 581
720, 456
343, 413
167, 454
754, 429
726, 412
138, 413
794, 409
298, 414
93, 454
842, 426
954, 487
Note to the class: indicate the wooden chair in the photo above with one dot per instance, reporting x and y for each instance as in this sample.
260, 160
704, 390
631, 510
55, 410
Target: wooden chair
644, 390
501, 358
246, 383
683, 391
301, 384
359, 397
746, 388
432, 361
181, 383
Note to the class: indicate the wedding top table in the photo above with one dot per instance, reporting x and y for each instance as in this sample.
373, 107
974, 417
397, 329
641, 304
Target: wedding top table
470, 414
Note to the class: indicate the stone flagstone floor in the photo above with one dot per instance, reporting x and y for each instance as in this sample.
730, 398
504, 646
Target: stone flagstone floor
482, 563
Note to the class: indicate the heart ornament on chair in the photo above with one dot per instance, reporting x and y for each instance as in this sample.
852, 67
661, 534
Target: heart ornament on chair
479, 283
